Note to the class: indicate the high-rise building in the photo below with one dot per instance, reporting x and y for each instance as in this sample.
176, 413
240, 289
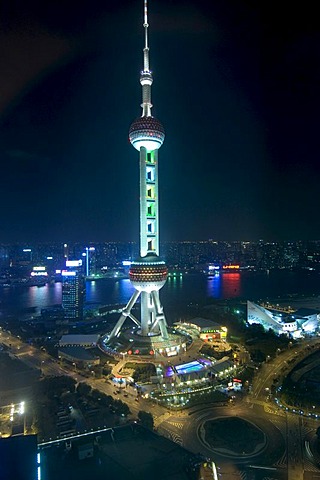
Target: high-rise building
90, 261
148, 273
73, 290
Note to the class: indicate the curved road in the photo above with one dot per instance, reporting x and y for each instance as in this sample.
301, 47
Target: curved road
184, 429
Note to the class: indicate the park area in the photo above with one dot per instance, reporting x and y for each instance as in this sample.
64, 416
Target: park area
233, 436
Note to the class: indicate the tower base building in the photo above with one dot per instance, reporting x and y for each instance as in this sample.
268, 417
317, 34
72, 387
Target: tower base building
150, 334
130, 342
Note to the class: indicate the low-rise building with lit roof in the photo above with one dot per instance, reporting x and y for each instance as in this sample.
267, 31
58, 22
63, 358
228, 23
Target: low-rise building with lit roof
205, 328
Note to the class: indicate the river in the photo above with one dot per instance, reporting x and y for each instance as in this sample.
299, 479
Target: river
178, 291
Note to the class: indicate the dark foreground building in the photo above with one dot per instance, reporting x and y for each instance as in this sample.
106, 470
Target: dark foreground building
19, 458
130, 452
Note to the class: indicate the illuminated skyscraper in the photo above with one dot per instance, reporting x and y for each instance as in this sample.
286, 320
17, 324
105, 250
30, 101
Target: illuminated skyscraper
73, 290
90, 261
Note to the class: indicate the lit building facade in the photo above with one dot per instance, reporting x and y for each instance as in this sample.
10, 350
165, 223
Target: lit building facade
296, 324
73, 290
90, 257
206, 329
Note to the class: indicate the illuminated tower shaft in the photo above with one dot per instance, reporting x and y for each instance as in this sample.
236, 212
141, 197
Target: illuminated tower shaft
149, 202
148, 273
149, 226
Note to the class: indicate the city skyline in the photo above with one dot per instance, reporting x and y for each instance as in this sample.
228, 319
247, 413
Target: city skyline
239, 84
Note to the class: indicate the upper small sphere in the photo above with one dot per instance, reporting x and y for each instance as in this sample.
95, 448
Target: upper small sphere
146, 132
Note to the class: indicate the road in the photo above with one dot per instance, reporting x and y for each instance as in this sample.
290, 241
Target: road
41, 360
280, 366
298, 459
186, 429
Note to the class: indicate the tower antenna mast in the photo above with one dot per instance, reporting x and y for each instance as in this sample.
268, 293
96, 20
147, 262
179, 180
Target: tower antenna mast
146, 79
146, 46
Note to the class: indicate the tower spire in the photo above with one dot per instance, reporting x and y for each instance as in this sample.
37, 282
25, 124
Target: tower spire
145, 13
146, 47
146, 75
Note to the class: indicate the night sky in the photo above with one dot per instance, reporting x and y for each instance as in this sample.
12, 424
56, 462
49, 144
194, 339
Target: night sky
236, 85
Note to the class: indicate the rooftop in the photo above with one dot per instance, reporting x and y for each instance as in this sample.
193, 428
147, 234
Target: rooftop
77, 352
79, 339
204, 323
305, 312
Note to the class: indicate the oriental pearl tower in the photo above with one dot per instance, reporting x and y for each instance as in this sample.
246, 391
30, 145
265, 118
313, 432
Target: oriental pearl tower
148, 273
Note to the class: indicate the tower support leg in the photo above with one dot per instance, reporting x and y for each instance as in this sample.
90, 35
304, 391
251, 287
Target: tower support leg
125, 313
160, 318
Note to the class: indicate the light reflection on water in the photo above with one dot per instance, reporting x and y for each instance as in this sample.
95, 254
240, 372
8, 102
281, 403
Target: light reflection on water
17, 298
227, 285
214, 286
177, 291
109, 291
231, 285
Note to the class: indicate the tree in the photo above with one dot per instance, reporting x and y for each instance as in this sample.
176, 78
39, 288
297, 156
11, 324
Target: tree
96, 394
207, 350
143, 372
83, 389
56, 386
257, 355
146, 419
106, 369
98, 371
106, 400
121, 408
